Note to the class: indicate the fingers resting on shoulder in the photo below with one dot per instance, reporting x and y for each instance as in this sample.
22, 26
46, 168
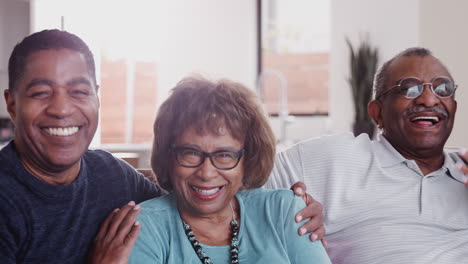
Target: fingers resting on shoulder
463, 165
117, 235
313, 210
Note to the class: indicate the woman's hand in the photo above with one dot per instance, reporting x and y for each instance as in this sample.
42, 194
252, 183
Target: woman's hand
116, 237
313, 210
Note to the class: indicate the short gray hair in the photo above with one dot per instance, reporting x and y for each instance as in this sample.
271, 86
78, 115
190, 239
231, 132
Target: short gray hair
380, 78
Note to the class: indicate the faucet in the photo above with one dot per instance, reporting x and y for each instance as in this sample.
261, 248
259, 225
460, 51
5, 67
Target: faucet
283, 114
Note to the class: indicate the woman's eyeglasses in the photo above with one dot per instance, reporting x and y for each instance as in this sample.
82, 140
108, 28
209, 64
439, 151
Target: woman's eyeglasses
412, 87
221, 159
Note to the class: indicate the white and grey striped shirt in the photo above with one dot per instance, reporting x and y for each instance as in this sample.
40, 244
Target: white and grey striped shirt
379, 207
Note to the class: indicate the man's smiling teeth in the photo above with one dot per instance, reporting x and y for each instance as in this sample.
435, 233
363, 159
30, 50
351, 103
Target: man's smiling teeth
433, 118
206, 192
59, 131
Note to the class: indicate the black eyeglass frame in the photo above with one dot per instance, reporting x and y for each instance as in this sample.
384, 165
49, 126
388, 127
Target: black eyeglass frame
455, 86
205, 155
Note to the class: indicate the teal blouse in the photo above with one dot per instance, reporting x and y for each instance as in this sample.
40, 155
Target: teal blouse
268, 232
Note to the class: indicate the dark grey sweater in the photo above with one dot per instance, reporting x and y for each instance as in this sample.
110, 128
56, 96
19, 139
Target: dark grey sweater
42, 223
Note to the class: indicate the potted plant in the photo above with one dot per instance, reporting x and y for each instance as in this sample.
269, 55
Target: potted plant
363, 65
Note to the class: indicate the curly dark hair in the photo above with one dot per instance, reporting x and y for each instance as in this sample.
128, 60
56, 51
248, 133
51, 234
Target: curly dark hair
206, 106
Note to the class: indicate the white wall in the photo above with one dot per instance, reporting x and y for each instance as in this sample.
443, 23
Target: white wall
216, 38
14, 26
443, 26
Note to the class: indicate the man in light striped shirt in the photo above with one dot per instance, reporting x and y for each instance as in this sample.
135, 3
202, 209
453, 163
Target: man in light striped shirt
401, 198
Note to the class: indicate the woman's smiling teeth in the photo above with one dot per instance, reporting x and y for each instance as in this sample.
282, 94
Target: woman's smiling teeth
61, 131
206, 192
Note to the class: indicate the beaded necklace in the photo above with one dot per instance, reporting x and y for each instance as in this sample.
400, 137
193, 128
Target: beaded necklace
198, 249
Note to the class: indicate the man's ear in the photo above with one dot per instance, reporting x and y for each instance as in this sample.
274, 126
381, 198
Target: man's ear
374, 109
456, 105
10, 103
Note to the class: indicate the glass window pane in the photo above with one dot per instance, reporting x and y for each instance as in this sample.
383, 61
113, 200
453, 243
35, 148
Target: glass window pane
295, 48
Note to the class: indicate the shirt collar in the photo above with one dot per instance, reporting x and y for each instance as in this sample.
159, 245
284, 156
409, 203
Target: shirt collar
386, 154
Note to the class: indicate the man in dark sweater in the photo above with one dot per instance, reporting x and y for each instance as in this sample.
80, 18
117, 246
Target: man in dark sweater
54, 192
59, 201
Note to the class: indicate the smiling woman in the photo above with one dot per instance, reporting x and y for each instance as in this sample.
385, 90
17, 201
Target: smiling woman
212, 149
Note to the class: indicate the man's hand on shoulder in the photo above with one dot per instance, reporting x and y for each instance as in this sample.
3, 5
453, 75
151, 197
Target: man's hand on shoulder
313, 210
463, 166
116, 237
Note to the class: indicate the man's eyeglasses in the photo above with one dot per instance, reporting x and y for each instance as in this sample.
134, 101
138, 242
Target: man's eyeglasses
221, 159
412, 87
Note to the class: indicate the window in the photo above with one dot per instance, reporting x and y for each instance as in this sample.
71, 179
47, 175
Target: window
129, 60
294, 56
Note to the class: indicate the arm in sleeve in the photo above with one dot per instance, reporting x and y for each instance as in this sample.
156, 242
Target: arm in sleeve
148, 246
287, 169
300, 249
9, 234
